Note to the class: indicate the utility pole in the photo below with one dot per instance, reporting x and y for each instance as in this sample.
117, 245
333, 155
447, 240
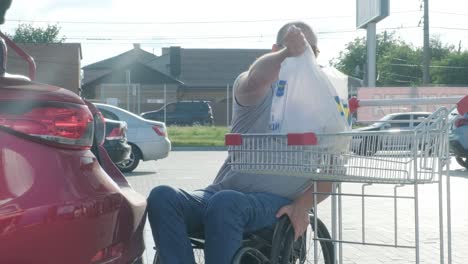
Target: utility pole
427, 49
128, 81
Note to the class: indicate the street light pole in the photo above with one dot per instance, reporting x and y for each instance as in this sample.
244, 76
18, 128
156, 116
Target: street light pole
371, 54
427, 48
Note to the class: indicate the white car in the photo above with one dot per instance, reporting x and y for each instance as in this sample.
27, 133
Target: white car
368, 145
148, 138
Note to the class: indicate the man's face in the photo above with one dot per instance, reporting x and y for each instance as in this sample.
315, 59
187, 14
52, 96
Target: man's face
4, 5
310, 37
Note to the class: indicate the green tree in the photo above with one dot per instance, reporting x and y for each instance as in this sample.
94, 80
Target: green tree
439, 50
394, 57
453, 69
26, 33
352, 60
398, 63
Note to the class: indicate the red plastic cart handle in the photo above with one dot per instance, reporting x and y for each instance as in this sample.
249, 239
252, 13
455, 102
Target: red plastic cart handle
233, 139
302, 139
462, 105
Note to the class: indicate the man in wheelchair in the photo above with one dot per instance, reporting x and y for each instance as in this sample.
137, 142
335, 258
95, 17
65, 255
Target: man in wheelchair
236, 204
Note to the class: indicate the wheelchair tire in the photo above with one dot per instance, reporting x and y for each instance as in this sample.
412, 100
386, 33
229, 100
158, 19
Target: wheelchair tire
288, 251
328, 249
249, 255
288, 247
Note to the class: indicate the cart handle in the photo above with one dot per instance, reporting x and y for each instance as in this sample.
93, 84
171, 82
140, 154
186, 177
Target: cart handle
233, 139
461, 102
302, 139
462, 105
406, 101
294, 139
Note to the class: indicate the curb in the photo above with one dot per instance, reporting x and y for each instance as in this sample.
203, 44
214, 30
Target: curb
220, 148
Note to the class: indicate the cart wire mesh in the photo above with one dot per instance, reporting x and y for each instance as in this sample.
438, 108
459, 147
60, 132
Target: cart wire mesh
393, 157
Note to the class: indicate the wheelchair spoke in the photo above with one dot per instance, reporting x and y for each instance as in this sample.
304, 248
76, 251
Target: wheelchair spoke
309, 256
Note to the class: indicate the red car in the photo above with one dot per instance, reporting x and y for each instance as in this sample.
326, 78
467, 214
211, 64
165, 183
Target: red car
62, 200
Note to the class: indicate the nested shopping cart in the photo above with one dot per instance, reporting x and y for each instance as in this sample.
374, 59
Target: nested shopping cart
411, 157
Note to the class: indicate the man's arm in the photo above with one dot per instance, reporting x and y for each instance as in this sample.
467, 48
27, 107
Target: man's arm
298, 211
253, 85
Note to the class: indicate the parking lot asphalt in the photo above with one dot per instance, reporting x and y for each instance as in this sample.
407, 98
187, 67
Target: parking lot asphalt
196, 169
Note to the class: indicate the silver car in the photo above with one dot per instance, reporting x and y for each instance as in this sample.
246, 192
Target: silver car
148, 138
369, 144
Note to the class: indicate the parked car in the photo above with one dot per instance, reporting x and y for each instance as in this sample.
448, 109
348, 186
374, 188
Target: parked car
57, 204
116, 141
369, 144
148, 138
458, 137
183, 113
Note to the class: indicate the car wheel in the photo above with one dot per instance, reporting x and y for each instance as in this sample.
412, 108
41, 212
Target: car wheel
463, 161
130, 164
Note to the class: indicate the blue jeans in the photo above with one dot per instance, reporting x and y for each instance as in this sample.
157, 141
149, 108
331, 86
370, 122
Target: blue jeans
222, 217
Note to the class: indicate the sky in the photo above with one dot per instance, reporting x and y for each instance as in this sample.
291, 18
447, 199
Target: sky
106, 28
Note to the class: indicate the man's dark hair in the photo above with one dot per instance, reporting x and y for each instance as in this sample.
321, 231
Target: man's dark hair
4, 5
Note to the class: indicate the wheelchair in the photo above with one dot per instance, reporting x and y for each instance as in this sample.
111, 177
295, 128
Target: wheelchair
276, 245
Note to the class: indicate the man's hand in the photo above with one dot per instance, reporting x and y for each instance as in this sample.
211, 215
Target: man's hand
298, 211
294, 41
298, 215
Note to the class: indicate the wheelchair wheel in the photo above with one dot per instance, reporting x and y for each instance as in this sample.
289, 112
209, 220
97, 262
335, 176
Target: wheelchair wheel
287, 251
325, 249
302, 250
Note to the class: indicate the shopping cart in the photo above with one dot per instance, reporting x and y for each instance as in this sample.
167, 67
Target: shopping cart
412, 157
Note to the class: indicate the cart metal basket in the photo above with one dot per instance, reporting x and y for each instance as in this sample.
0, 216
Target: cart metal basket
405, 157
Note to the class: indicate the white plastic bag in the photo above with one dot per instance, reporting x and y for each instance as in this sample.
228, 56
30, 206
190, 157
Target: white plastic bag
305, 100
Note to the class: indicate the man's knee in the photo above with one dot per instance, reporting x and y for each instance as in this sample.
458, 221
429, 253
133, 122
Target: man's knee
161, 196
226, 202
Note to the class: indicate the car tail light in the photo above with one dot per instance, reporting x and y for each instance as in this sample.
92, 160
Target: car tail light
66, 125
108, 255
160, 130
463, 121
116, 133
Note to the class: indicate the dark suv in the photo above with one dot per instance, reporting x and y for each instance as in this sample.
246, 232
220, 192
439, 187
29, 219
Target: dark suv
183, 113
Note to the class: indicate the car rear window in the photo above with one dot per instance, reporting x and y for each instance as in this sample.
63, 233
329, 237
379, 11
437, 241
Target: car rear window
404, 121
418, 119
